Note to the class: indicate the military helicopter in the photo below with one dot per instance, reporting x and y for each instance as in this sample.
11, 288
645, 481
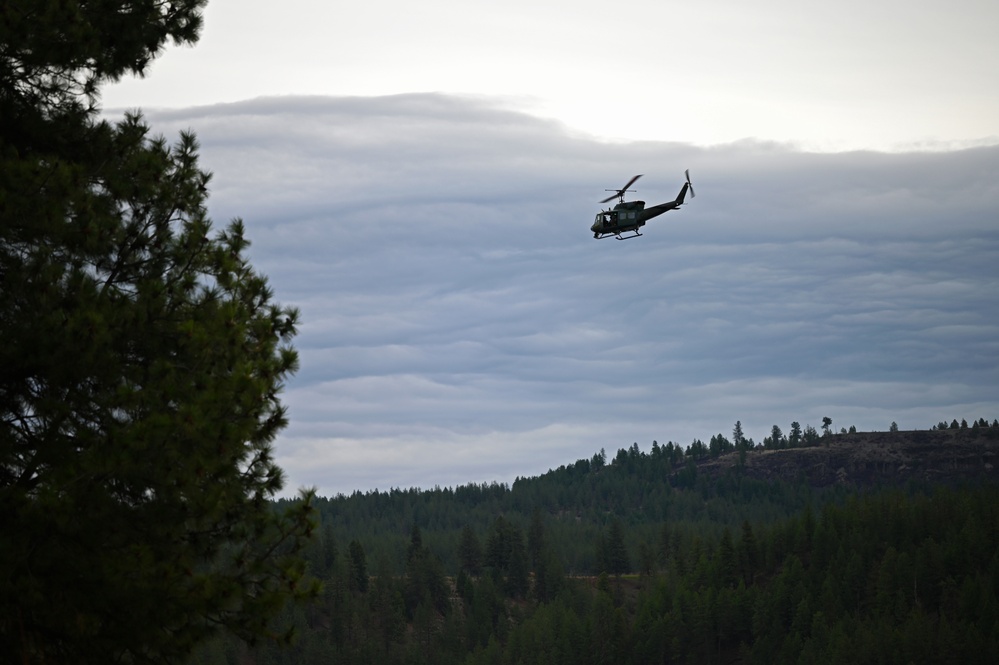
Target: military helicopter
629, 216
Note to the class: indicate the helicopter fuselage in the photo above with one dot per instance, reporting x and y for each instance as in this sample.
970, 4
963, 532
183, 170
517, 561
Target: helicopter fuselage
629, 216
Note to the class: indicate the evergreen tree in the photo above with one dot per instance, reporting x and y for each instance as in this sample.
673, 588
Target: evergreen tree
737, 436
470, 552
747, 555
775, 440
142, 359
646, 558
794, 438
358, 566
727, 564
697, 450
506, 555
612, 555
665, 545
536, 537
518, 579
719, 445
425, 580
498, 544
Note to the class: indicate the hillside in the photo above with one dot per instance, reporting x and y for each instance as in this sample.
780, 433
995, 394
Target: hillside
870, 546
866, 459
698, 490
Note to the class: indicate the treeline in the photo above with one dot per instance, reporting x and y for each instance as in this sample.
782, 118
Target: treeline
981, 423
643, 558
891, 576
640, 488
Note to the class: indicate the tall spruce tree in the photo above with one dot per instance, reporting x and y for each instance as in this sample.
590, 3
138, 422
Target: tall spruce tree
470, 552
612, 554
141, 361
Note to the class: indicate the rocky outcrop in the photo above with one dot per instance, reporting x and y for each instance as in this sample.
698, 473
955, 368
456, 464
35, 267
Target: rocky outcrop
860, 459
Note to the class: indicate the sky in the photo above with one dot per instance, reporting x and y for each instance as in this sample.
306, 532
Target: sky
420, 184
889, 74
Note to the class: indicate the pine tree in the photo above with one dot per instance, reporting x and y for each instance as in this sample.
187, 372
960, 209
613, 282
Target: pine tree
535, 538
794, 438
748, 554
142, 360
775, 440
726, 561
738, 438
358, 566
612, 555
470, 552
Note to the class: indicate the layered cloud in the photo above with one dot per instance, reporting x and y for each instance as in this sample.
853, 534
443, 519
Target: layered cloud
460, 323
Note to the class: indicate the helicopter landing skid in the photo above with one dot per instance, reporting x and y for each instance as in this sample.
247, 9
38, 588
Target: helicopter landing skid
636, 234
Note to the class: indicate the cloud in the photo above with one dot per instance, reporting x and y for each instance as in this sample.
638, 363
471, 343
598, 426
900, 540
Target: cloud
854, 74
460, 324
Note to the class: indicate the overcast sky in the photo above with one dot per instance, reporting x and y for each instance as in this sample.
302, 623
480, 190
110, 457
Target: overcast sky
832, 75
422, 184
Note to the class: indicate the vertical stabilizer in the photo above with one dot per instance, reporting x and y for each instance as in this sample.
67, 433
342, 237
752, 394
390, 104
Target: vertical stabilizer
683, 193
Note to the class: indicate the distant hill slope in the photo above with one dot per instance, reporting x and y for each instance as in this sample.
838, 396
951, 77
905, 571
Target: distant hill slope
867, 547
864, 459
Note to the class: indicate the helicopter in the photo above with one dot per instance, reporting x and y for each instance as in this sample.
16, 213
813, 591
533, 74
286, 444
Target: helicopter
629, 216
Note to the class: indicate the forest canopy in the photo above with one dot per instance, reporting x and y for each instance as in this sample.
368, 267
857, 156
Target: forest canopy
657, 556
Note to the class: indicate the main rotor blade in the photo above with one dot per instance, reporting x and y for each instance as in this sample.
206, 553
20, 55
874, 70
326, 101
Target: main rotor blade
631, 182
620, 192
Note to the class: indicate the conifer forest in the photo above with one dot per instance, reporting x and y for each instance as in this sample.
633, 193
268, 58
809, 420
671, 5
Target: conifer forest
671, 555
